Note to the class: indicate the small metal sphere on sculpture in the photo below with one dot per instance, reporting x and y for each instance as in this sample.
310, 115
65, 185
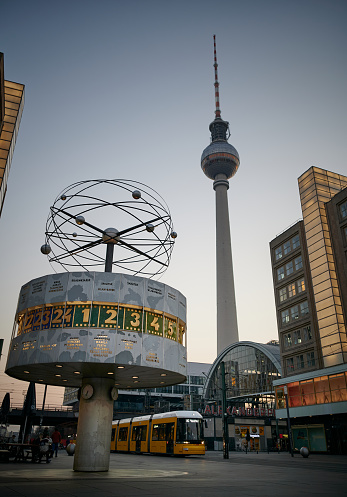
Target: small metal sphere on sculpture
136, 194
142, 240
45, 249
220, 158
150, 228
80, 220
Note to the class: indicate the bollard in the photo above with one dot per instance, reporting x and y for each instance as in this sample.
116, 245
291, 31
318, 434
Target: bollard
304, 452
70, 449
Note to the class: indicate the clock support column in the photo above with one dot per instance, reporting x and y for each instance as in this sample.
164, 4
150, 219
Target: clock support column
94, 425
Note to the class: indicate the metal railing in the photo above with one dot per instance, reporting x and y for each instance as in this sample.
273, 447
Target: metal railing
47, 407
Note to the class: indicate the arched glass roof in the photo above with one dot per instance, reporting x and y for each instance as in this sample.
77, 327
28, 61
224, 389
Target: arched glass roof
250, 369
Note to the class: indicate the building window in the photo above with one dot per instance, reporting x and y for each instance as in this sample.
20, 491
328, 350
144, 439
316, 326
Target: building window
338, 387
300, 362
196, 380
290, 365
181, 389
278, 253
310, 359
283, 294
280, 399
307, 393
294, 396
343, 210
296, 242
304, 308
298, 263
285, 316
286, 248
301, 285
307, 333
289, 268
321, 390
294, 313
291, 290
297, 337
321, 386
287, 340
280, 273
345, 233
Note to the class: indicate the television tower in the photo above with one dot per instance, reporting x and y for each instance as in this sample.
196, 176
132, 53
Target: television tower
220, 161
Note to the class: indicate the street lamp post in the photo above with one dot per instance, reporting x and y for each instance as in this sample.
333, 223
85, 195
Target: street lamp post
224, 415
288, 422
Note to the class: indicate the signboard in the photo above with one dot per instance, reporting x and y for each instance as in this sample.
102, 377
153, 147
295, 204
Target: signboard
239, 411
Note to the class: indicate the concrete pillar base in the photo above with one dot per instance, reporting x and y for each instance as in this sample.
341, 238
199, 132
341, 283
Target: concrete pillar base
94, 425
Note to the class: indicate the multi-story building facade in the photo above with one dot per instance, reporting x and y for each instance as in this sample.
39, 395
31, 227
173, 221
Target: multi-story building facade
309, 263
297, 328
11, 108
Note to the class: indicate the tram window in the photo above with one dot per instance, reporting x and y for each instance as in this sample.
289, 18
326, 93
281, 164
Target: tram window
162, 430
155, 432
143, 433
139, 433
113, 433
123, 434
170, 431
189, 430
134, 433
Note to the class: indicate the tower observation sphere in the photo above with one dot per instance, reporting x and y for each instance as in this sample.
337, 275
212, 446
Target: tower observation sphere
220, 158
220, 161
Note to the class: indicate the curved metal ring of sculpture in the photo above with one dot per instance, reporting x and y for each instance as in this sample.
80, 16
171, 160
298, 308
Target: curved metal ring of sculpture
142, 228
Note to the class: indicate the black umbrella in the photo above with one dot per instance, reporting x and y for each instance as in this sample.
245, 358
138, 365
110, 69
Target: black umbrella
29, 409
5, 407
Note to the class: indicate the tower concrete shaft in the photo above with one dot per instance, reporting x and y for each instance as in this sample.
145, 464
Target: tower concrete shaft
227, 330
220, 161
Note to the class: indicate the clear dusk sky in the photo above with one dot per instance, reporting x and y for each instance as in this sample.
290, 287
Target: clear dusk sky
118, 89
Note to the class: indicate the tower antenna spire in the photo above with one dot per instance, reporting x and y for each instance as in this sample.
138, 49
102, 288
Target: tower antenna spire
216, 83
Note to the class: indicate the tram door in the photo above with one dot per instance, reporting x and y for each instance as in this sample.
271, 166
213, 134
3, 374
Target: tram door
138, 442
170, 432
138, 438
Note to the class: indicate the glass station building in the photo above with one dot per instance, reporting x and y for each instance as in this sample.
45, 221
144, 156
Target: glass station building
249, 371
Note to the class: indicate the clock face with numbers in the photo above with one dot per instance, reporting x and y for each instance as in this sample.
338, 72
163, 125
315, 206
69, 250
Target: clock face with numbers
87, 391
78, 232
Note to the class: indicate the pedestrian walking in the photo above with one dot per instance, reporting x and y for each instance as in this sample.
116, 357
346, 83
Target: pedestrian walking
56, 438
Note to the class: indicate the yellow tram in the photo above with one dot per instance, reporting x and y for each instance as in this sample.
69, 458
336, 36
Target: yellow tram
177, 433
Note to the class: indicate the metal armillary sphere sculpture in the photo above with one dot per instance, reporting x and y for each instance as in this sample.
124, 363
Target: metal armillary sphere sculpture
142, 228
